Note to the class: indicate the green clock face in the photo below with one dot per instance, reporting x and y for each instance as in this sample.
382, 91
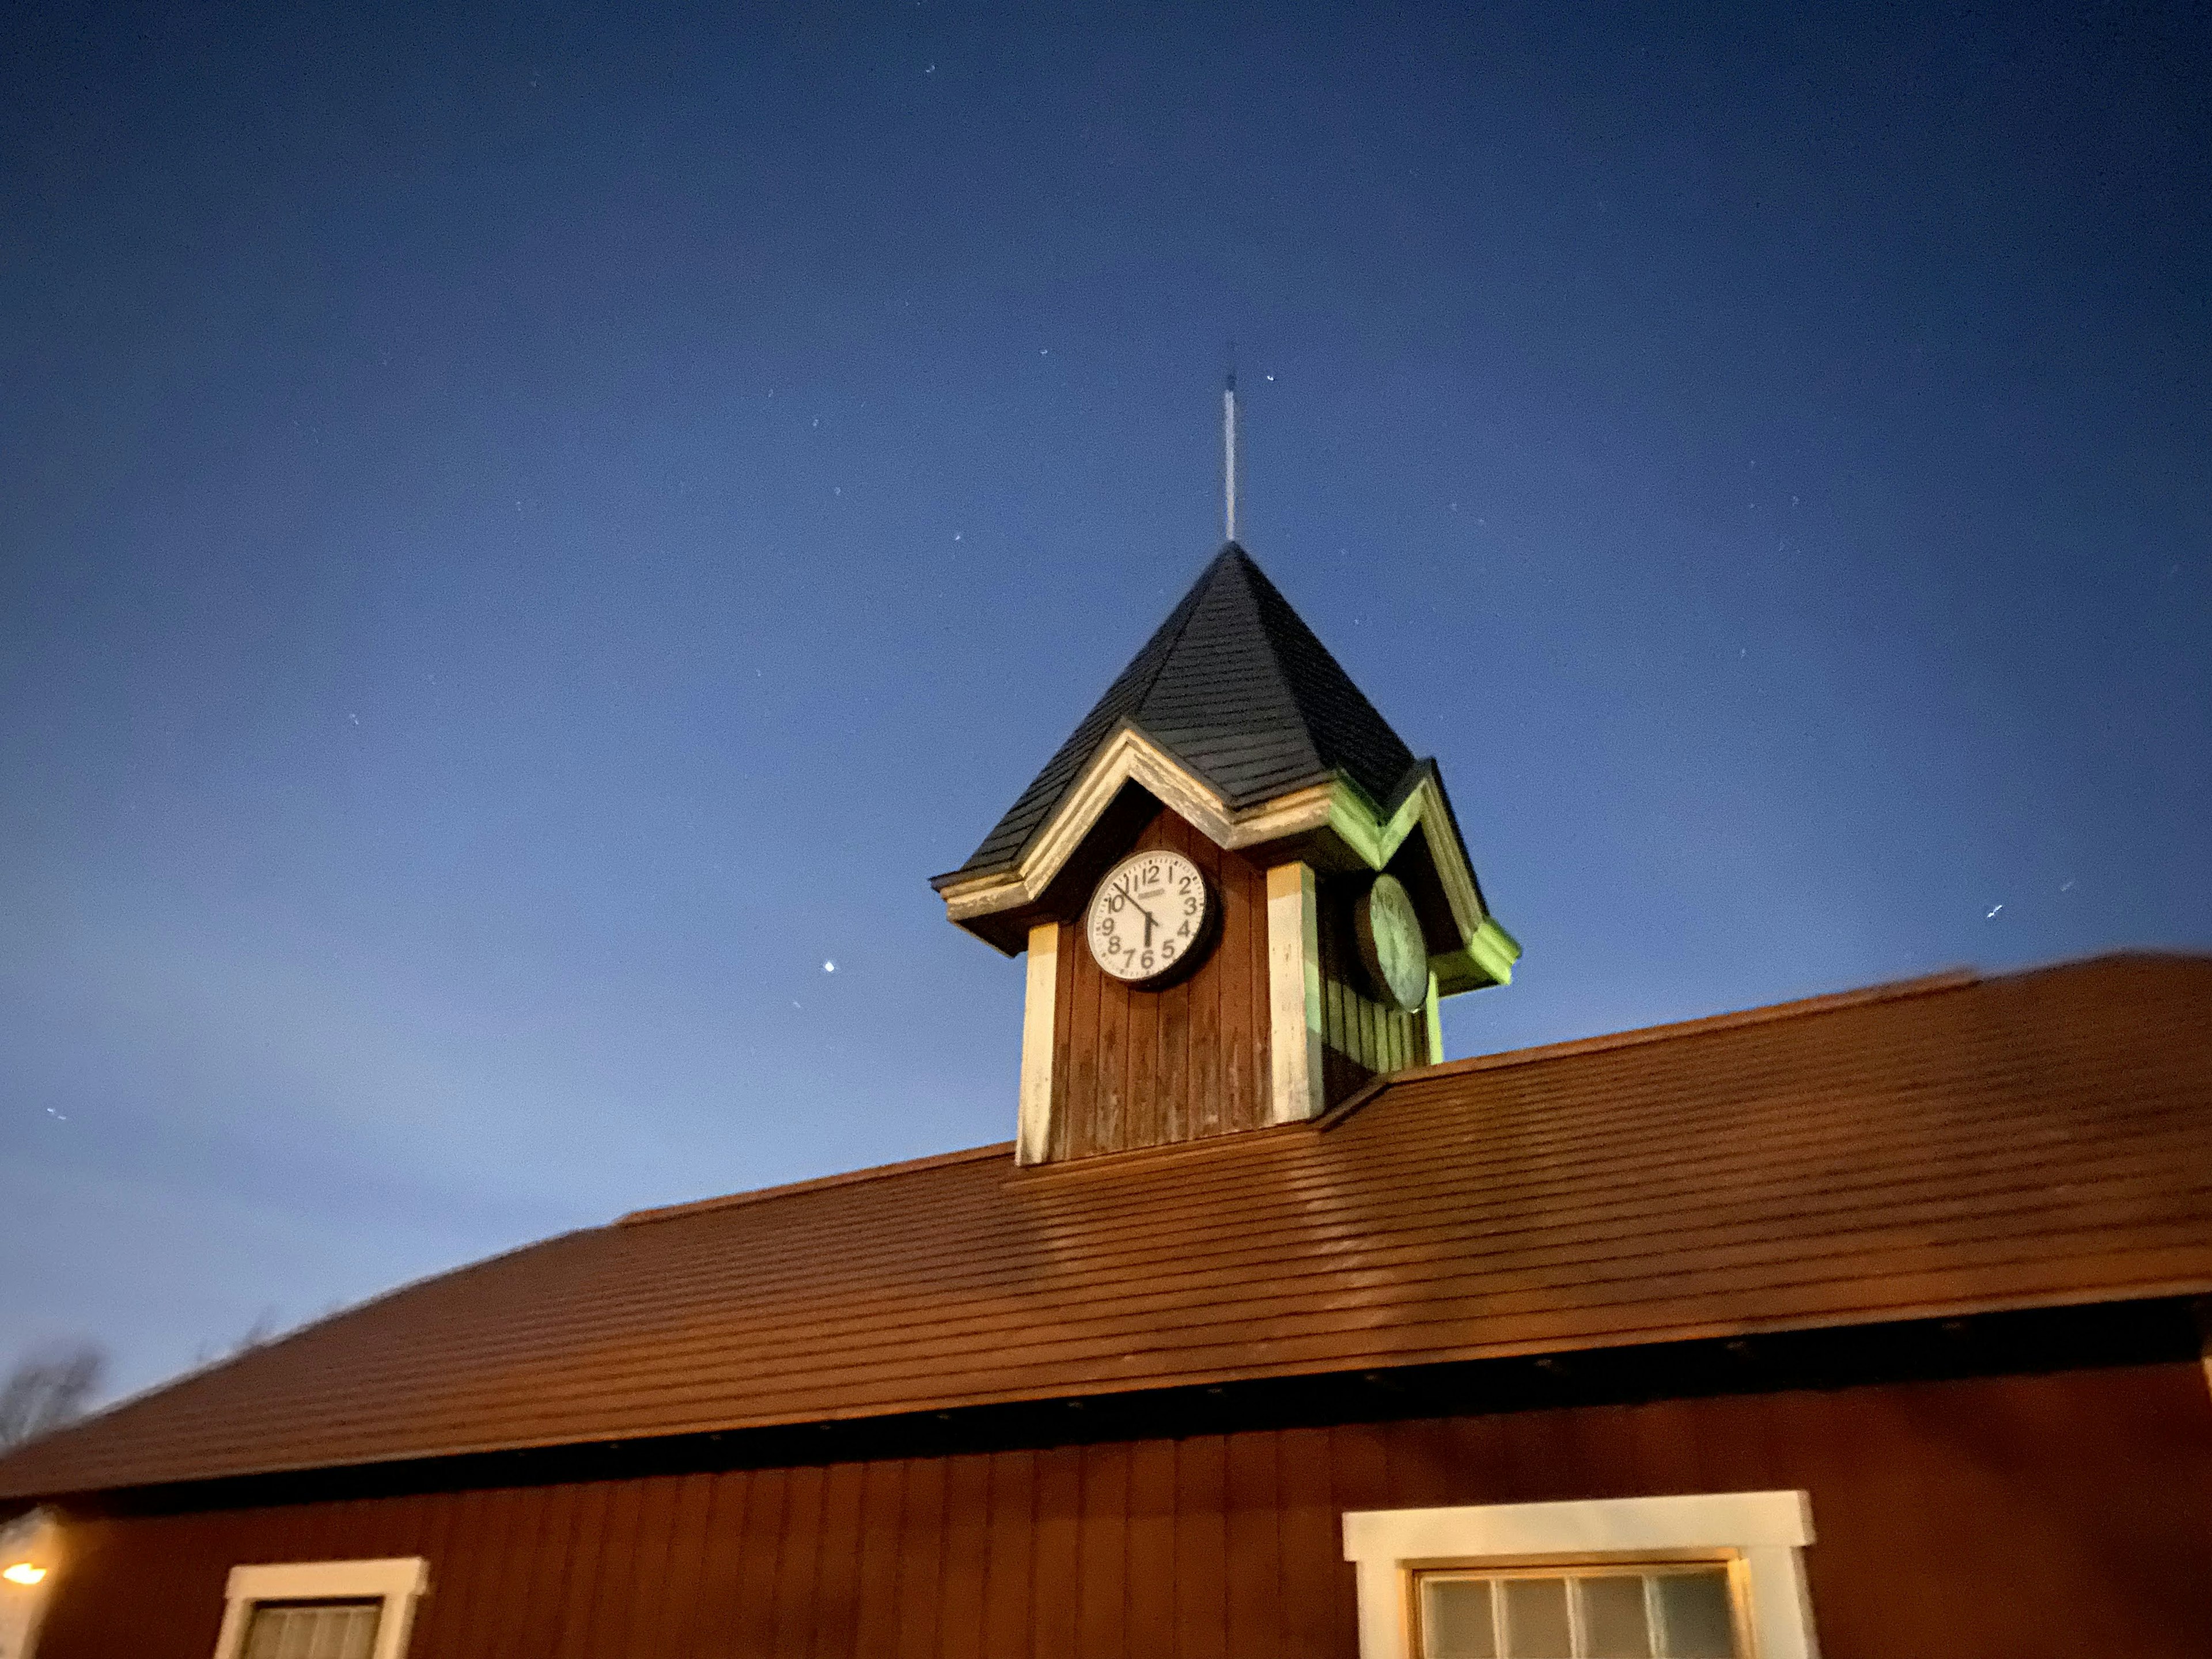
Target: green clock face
1391, 947
1147, 916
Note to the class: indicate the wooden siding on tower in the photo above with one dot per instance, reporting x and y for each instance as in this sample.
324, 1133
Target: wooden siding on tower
2008, 1517
1361, 1038
1137, 1067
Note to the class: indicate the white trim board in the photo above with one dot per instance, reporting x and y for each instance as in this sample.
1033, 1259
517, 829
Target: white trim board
1294, 1017
398, 1581
1040, 1009
1127, 756
1766, 1530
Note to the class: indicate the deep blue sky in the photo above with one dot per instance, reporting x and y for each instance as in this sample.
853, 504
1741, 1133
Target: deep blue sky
523, 535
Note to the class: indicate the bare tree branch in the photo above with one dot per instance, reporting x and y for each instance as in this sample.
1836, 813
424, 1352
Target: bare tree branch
48, 1389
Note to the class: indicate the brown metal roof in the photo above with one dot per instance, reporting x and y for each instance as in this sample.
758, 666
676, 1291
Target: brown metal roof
1949, 1145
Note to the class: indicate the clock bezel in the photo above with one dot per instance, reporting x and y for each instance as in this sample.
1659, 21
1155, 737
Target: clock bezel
1202, 944
1371, 957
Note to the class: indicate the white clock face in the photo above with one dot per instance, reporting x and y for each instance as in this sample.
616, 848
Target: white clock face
1147, 916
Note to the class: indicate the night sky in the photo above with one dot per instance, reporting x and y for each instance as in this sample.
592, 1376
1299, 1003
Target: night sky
526, 537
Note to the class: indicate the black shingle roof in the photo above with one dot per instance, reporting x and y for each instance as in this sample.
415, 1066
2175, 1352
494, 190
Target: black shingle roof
1237, 688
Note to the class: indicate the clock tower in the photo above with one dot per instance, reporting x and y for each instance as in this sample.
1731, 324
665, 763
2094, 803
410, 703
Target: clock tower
1240, 893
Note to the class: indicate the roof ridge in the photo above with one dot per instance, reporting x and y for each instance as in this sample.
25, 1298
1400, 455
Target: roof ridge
1255, 594
817, 1183
1950, 979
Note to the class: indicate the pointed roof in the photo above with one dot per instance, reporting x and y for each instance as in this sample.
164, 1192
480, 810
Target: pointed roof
1238, 689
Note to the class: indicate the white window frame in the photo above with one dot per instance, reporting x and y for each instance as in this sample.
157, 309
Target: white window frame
399, 1582
1765, 1532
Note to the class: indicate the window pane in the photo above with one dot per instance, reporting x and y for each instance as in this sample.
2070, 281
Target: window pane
1694, 1616
1536, 1618
1612, 1617
328, 1631
1456, 1620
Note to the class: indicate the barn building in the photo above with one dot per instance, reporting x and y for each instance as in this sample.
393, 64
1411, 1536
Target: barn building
1865, 1325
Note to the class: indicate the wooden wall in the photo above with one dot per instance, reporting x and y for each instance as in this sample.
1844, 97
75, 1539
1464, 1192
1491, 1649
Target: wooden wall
1147, 1068
1361, 1038
1990, 1518
1136, 1068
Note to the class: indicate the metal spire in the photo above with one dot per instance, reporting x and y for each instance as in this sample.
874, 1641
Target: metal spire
1229, 445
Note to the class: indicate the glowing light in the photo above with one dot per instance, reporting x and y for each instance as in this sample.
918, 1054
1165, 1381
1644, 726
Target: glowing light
22, 1572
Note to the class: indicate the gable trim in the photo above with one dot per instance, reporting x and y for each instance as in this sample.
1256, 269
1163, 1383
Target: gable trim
1484, 955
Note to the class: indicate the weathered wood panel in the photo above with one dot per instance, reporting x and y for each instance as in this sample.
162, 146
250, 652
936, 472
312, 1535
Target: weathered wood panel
1190, 1060
1182, 1062
1361, 1039
1988, 1518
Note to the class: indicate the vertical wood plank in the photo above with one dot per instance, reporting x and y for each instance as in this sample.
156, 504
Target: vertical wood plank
1055, 1581
1107, 1108
882, 1496
1101, 1611
614, 1567
837, 1595
1202, 1039
1008, 1560
1231, 971
799, 1563
538, 1630
586, 1526
1152, 1545
757, 1561
1065, 1089
674, 1628
719, 1624
967, 1555
1144, 1116
477, 1582
1253, 1570
1318, 1587
1201, 1589
646, 1591
1082, 1136
922, 1558
1359, 1479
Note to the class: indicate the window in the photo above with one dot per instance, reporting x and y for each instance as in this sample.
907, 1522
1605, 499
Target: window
313, 1630
321, 1610
1715, 1576
1656, 1610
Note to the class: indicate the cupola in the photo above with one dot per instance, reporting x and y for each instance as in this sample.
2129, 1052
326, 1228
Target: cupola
1240, 892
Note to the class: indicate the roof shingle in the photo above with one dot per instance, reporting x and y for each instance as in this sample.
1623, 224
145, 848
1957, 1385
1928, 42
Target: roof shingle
1235, 686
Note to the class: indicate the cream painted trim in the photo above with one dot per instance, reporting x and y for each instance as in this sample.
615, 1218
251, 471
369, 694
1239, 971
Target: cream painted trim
35, 1538
1432, 1021
1294, 1013
1033, 1139
1766, 1531
1130, 756
399, 1580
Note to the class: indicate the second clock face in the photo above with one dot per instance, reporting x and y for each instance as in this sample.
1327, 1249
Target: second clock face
1391, 948
1147, 916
